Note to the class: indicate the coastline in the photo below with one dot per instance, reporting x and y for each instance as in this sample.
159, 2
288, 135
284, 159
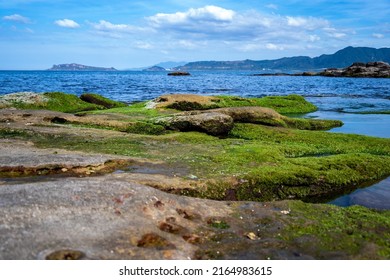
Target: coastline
165, 168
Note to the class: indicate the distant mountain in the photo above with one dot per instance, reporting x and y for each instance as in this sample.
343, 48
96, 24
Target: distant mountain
170, 64
340, 59
154, 69
78, 67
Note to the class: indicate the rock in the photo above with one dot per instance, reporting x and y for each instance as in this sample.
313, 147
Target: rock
179, 74
361, 70
22, 97
253, 114
213, 123
100, 100
183, 102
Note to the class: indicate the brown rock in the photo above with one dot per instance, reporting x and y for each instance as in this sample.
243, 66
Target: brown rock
212, 123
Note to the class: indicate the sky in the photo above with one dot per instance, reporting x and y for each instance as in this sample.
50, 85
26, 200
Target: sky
35, 34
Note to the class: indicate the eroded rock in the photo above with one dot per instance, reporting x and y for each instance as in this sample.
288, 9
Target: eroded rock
212, 123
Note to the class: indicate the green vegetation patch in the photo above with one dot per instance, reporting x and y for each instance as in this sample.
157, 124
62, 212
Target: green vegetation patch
146, 128
101, 100
355, 230
61, 102
290, 104
254, 162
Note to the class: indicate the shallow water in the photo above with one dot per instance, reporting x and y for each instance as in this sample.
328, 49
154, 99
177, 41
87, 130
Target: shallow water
376, 196
377, 125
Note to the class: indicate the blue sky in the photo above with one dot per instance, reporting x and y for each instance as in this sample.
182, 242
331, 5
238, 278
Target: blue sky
35, 34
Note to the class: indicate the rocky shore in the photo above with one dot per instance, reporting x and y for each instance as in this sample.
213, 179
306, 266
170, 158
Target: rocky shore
356, 70
182, 177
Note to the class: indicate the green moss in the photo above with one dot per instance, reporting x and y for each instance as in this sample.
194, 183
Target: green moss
59, 101
290, 104
136, 111
310, 124
101, 101
355, 230
146, 128
219, 224
190, 106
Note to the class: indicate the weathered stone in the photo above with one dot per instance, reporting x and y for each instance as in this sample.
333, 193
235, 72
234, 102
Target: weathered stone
174, 101
180, 73
376, 69
252, 114
212, 123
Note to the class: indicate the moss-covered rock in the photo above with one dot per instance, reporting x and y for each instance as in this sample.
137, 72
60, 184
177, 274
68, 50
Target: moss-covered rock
290, 104
101, 100
212, 123
57, 101
146, 128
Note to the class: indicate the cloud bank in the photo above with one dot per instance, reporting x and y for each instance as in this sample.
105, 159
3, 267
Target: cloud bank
17, 18
67, 23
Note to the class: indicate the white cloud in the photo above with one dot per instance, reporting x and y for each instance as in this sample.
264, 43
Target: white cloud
272, 6
216, 23
117, 31
314, 38
201, 28
378, 35
144, 45
249, 47
308, 23
273, 47
67, 23
17, 18
334, 33
205, 14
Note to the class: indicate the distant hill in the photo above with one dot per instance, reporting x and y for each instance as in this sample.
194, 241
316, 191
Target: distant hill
171, 64
340, 59
78, 67
154, 69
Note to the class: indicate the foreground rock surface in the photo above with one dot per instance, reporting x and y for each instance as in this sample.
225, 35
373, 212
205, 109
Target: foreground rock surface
115, 217
212, 123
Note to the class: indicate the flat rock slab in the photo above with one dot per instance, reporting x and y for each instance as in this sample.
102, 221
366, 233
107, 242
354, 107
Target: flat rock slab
20, 153
102, 217
111, 217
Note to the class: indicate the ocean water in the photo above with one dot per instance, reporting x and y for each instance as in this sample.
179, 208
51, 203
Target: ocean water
329, 94
336, 98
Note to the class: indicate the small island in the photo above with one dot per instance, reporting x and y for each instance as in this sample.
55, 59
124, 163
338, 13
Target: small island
78, 67
179, 73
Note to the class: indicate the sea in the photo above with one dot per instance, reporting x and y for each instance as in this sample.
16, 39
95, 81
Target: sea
336, 98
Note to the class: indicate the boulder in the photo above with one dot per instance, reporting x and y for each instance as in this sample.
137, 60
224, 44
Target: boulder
179, 74
252, 114
375, 69
213, 123
184, 102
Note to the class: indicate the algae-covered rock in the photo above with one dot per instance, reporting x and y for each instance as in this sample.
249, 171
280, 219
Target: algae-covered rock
212, 123
259, 115
101, 100
57, 101
179, 73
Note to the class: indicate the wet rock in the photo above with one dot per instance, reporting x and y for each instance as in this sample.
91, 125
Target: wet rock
183, 102
360, 70
179, 73
252, 114
212, 123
